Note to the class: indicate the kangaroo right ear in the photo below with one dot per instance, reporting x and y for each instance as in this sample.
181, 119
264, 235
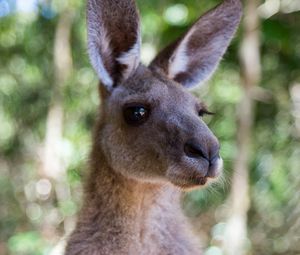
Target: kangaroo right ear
113, 39
194, 57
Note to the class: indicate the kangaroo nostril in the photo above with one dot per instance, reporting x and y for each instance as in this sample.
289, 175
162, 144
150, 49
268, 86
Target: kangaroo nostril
193, 150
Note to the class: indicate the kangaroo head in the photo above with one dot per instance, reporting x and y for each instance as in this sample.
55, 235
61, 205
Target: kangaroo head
151, 126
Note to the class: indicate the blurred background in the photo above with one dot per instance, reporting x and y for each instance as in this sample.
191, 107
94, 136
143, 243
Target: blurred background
48, 102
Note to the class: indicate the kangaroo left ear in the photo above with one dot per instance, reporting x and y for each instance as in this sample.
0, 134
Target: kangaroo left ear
114, 39
193, 58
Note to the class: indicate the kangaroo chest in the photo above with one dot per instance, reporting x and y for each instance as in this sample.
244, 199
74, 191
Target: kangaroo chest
161, 233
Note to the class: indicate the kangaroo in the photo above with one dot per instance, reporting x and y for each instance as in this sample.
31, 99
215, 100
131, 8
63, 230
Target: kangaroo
150, 143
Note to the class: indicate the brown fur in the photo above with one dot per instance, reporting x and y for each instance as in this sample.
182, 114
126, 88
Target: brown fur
132, 196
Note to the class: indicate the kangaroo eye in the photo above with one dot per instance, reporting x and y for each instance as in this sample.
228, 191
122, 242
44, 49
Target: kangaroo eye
136, 115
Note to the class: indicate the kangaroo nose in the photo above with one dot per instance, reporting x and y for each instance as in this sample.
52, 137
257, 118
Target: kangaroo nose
194, 150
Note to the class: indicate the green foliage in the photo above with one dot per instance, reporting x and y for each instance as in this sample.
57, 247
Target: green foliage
27, 243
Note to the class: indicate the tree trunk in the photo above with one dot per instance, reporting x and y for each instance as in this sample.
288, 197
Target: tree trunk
235, 241
52, 165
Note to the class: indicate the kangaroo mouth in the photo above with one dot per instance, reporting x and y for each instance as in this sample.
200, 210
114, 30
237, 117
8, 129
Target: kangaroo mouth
189, 178
188, 182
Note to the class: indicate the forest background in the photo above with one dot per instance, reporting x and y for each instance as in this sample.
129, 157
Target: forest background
48, 102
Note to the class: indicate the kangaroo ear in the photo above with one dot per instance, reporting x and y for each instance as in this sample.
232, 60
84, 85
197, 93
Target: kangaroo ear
113, 39
193, 58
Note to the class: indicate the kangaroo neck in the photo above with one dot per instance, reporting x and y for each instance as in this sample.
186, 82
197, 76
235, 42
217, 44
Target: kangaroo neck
111, 197
126, 216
